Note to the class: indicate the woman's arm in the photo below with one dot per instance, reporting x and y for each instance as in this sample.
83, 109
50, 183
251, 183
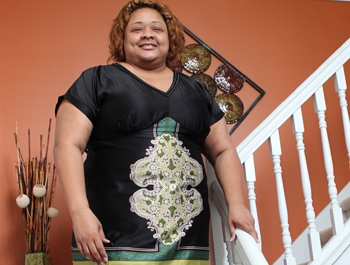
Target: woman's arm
73, 130
220, 151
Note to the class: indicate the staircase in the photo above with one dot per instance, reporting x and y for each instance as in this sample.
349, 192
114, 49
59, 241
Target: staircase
326, 234
323, 224
329, 246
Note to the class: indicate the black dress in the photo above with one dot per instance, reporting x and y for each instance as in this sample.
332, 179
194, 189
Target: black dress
144, 173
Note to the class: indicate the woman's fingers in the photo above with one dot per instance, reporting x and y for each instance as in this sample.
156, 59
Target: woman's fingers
240, 217
88, 254
81, 249
232, 229
101, 251
102, 235
93, 252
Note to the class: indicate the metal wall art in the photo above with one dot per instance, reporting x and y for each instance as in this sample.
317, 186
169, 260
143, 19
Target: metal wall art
206, 81
196, 59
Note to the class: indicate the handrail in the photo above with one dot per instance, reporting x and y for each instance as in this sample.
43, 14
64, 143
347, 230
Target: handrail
284, 111
245, 245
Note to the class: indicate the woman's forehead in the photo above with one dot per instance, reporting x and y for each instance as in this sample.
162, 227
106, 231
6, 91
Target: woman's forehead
145, 14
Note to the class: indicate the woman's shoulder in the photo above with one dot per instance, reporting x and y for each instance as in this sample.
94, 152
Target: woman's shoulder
193, 84
189, 81
186, 78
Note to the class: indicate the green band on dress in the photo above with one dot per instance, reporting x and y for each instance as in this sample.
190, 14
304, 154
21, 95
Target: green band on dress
165, 253
168, 262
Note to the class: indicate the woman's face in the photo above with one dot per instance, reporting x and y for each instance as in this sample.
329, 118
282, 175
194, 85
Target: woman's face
146, 38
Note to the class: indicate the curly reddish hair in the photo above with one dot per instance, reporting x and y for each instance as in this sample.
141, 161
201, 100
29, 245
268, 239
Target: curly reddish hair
174, 26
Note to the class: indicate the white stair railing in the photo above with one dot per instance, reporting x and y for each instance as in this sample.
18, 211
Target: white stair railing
268, 130
244, 250
285, 110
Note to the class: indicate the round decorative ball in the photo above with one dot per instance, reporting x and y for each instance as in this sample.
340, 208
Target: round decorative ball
39, 190
22, 201
52, 212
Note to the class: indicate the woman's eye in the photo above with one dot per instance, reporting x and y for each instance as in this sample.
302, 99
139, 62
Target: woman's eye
136, 29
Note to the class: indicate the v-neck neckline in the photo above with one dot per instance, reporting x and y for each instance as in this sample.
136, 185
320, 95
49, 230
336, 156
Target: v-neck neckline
166, 93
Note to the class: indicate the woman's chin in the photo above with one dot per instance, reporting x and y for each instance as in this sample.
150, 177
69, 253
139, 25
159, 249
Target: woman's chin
152, 59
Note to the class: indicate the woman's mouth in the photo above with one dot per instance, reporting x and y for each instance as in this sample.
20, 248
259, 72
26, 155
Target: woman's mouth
148, 46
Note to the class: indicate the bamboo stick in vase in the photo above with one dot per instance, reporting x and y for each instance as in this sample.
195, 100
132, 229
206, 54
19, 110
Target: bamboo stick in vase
47, 183
20, 168
41, 147
23, 213
29, 159
17, 175
16, 142
35, 203
31, 224
20, 181
48, 138
48, 198
42, 205
27, 167
30, 178
52, 193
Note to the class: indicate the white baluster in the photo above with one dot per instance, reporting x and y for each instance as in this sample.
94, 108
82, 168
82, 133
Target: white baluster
250, 178
237, 260
227, 237
313, 235
340, 88
336, 212
275, 152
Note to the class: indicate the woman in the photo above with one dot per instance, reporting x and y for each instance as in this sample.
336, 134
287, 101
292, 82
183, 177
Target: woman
141, 194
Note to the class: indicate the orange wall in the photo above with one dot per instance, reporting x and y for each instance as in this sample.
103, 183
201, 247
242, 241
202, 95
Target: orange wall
45, 45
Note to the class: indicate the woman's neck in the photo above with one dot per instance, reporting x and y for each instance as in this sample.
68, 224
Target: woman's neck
147, 69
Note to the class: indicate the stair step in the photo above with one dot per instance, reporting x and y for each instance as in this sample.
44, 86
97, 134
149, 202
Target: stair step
325, 235
345, 205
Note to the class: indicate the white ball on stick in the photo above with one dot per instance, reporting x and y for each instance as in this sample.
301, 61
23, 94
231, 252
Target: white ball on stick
52, 212
39, 190
22, 201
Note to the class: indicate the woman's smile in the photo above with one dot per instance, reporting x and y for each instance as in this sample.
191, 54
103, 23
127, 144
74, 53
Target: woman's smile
148, 46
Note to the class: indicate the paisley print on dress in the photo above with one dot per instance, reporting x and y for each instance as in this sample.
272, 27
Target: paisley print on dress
173, 202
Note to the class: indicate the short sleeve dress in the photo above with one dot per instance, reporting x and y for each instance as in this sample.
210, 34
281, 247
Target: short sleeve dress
144, 174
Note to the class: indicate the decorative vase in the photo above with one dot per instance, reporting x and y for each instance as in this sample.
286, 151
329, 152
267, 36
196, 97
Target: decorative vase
37, 259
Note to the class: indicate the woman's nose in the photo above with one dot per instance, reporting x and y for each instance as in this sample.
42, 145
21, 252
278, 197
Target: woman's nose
147, 34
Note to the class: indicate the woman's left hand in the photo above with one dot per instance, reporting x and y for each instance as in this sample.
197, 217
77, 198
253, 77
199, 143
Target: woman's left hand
240, 217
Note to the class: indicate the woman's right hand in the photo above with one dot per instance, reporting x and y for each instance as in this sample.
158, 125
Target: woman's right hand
89, 236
